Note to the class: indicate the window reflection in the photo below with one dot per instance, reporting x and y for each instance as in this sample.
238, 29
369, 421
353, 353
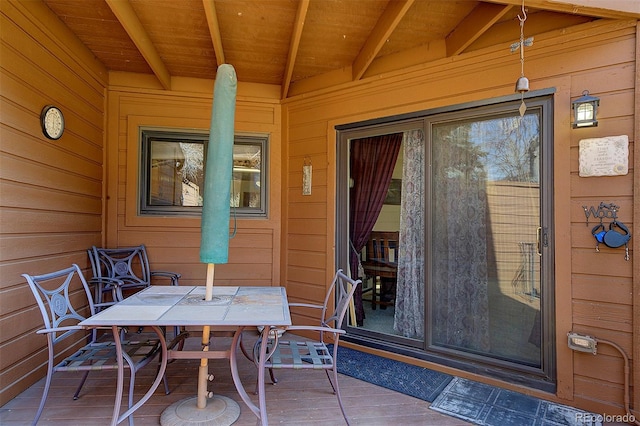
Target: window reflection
177, 173
245, 188
173, 167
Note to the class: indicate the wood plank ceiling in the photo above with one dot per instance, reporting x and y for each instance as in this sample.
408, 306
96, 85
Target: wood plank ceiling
302, 45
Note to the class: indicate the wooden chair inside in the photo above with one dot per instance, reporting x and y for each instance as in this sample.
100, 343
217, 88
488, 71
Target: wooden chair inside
380, 264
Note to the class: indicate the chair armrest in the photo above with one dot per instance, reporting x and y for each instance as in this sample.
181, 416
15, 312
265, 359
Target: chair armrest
108, 284
166, 274
60, 329
70, 328
104, 305
173, 276
106, 280
305, 305
315, 328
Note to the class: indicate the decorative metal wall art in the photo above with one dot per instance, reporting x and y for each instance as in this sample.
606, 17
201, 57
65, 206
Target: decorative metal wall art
617, 234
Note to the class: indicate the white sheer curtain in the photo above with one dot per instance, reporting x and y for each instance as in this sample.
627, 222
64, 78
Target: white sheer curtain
409, 310
460, 309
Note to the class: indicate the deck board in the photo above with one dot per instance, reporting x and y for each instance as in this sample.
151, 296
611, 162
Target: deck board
299, 398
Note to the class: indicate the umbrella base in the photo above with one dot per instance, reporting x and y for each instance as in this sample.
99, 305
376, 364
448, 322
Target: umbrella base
220, 411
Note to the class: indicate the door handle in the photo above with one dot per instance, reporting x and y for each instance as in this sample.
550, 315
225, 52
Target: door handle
538, 240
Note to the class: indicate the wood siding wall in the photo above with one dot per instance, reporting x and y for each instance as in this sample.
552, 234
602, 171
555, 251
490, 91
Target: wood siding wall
592, 289
51, 204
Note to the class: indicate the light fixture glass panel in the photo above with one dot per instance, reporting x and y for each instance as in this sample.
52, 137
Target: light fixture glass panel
585, 112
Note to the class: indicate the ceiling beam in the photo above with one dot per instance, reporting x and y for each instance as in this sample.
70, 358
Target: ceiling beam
613, 9
298, 26
132, 25
388, 22
481, 18
214, 30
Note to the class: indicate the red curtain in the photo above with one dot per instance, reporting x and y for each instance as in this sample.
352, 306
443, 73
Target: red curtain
372, 162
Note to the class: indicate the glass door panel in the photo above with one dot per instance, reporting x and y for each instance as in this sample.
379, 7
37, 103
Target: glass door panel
383, 174
485, 290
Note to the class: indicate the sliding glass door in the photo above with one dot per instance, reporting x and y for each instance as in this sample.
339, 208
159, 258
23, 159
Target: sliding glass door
485, 283
466, 197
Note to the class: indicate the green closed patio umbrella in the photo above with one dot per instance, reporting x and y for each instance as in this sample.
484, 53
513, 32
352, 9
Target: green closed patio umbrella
214, 244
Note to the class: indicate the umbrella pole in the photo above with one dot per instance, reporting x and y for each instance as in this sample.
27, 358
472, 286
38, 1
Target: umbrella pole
204, 409
203, 371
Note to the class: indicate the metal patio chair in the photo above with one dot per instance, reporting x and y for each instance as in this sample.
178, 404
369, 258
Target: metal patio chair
64, 299
314, 354
128, 266
117, 271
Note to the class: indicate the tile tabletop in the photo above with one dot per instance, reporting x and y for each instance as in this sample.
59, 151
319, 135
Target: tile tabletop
185, 306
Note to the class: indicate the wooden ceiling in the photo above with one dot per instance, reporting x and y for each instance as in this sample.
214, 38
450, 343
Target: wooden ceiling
302, 45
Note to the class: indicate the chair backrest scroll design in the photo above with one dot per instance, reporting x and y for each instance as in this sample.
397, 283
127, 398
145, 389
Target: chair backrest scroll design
128, 264
53, 293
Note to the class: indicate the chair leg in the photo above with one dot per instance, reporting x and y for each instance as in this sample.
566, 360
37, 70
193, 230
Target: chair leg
250, 358
244, 350
167, 391
177, 344
336, 388
45, 392
84, 379
273, 380
132, 379
165, 380
331, 381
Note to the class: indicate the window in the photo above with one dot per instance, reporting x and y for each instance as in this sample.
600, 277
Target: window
172, 173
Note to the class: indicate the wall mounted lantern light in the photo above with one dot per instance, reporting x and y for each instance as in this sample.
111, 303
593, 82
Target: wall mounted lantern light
585, 110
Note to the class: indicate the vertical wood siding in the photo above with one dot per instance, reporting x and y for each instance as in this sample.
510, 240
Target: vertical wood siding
592, 289
51, 204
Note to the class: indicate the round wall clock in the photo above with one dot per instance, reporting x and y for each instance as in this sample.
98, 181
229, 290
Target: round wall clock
52, 122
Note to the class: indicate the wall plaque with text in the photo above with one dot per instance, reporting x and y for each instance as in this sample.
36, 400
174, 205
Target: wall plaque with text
608, 156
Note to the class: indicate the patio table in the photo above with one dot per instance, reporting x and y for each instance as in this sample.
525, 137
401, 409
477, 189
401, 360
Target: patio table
168, 306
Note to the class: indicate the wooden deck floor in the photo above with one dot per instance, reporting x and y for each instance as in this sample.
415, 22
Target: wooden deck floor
299, 398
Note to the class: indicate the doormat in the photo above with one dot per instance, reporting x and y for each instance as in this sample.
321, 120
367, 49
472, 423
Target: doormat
401, 377
483, 404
